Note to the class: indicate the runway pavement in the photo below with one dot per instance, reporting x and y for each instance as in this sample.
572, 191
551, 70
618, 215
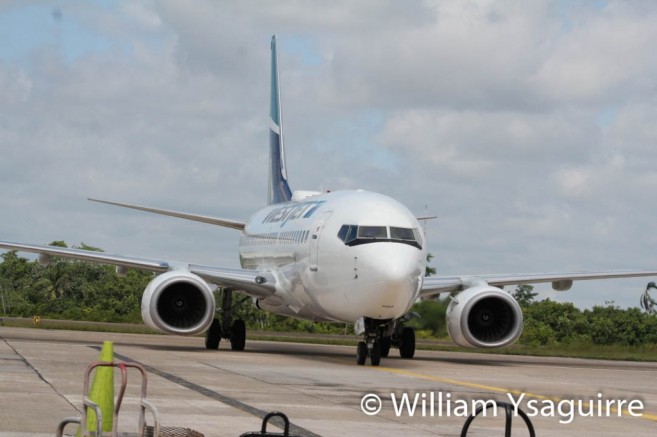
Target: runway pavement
320, 388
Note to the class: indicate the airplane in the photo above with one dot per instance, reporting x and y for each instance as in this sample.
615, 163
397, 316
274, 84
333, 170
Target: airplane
344, 256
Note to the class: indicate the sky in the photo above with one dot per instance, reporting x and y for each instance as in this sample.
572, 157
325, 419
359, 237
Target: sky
528, 128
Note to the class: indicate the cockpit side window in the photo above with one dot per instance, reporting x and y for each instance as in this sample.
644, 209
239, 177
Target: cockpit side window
342, 233
348, 233
352, 234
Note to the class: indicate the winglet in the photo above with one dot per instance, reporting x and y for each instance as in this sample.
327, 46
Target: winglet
279, 190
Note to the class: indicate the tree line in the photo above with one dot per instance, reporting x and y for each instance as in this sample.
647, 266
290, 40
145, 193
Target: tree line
78, 290
69, 289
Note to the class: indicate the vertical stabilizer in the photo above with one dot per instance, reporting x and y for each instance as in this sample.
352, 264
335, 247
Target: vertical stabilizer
279, 190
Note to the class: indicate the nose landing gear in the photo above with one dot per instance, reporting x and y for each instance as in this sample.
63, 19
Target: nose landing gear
380, 336
371, 349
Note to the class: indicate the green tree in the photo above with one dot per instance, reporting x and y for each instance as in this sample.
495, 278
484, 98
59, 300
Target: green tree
84, 246
431, 316
429, 270
537, 333
18, 294
566, 322
70, 289
613, 325
524, 294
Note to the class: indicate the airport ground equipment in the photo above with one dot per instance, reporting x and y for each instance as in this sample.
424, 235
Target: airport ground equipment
508, 411
263, 431
142, 429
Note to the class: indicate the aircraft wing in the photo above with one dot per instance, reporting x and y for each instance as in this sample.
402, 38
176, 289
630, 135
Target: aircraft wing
435, 285
252, 282
227, 223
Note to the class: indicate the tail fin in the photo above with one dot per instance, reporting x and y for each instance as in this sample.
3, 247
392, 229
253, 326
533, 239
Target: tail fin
279, 190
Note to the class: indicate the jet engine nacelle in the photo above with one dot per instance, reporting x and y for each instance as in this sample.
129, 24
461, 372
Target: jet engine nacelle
178, 302
485, 317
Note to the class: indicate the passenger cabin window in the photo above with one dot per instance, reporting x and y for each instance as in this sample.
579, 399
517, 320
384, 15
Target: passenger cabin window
353, 235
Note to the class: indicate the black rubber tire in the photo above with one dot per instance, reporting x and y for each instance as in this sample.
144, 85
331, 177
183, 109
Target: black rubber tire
386, 342
407, 343
375, 353
238, 335
361, 353
213, 335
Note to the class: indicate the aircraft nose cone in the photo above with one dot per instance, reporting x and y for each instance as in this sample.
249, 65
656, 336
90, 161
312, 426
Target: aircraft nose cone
399, 268
395, 272
400, 274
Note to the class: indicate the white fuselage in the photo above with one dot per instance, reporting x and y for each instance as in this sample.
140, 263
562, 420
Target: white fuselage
338, 256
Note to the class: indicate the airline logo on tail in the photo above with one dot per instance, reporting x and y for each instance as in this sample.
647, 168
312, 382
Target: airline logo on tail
279, 190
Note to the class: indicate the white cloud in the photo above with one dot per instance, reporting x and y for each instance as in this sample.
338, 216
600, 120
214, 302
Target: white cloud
603, 58
488, 112
574, 182
594, 178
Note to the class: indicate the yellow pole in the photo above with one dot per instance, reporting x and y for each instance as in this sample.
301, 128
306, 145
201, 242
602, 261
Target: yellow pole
102, 391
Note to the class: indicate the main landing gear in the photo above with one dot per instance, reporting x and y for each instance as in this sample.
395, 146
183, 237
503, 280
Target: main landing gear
380, 336
227, 328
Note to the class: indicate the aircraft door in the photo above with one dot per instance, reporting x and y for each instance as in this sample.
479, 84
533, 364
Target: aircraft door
314, 240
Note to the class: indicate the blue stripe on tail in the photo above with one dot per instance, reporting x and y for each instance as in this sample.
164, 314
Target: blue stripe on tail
279, 190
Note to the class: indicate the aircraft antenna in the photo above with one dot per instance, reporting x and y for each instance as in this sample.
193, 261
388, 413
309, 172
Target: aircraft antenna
425, 218
424, 222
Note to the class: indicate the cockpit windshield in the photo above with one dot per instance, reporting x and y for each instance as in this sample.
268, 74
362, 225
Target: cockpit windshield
377, 232
402, 234
353, 235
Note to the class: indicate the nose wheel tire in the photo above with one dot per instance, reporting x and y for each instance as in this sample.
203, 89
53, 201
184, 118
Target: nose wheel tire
361, 353
375, 353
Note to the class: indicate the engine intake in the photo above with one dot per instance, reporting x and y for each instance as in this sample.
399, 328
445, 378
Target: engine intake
178, 302
484, 317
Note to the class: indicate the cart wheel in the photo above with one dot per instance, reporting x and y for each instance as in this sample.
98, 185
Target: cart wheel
238, 336
213, 335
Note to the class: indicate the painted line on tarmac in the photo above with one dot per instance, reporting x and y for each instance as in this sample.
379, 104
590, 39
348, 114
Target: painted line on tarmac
232, 402
645, 416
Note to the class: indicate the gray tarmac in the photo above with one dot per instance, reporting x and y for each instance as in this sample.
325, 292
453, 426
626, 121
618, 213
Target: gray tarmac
319, 387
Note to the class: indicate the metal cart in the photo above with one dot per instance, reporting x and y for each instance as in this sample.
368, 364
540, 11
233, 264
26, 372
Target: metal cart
142, 429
